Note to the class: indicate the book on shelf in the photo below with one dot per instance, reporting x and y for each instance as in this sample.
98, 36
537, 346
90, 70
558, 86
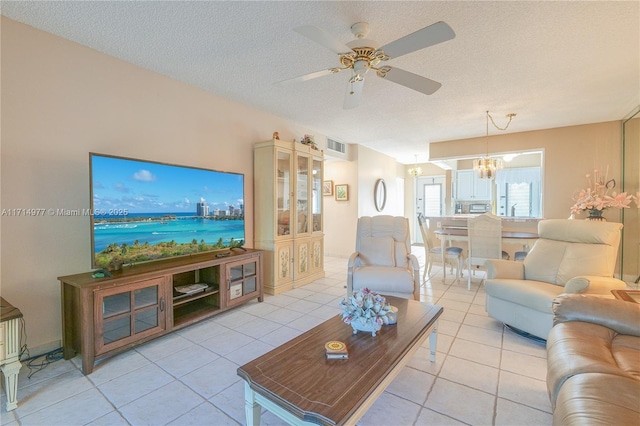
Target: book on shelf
192, 288
336, 350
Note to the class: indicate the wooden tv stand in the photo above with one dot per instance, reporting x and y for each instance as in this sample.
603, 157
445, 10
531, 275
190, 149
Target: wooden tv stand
104, 316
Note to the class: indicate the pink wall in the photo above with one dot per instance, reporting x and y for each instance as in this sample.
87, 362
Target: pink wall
60, 101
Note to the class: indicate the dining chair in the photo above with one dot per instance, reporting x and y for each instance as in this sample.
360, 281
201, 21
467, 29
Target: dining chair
433, 253
485, 241
519, 255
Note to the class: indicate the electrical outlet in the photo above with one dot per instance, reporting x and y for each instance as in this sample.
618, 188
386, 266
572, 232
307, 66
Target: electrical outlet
438, 225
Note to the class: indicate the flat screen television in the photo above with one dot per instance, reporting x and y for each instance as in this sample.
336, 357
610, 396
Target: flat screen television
145, 210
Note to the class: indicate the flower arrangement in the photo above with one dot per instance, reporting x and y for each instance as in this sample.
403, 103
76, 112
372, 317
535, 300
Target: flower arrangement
599, 194
366, 309
308, 140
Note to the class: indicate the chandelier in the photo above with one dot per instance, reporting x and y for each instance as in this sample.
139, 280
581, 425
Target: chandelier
416, 170
486, 167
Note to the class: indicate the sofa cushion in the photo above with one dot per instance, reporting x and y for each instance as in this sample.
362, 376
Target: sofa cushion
556, 262
378, 251
401, 255
577, 347
537, 295
395, 227
383, 279
598, 399
591, 248
620, 316
586, 259
543, 261
580, 231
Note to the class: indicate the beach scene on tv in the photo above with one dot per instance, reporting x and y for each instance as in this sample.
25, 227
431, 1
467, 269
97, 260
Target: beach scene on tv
144, 211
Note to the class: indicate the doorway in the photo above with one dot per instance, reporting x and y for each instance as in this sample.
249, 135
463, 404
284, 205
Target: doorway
429, 199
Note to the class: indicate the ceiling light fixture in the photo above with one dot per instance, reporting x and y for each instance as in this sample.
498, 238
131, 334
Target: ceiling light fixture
416, 170
486, 167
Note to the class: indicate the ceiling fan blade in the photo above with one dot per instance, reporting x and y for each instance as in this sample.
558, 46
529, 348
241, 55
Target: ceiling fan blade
428, 36
412, 81
309, 76
323, 38
353, 94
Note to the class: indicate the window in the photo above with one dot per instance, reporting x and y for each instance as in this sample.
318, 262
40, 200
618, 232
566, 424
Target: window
518, 192
430, 195
432, 199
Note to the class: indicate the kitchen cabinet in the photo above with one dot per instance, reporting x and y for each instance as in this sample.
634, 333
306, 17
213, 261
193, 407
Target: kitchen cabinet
470, 187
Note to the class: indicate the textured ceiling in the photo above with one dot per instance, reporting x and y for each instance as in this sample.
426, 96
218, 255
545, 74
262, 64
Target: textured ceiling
553, 63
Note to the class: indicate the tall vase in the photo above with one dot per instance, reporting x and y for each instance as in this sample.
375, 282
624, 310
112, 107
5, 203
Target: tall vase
596, 215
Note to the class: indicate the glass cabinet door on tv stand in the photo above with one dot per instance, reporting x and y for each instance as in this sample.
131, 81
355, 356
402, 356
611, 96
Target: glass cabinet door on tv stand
242, 280
288, 213
128, 313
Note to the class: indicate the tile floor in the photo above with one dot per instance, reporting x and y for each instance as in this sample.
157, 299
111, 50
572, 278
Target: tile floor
484, 374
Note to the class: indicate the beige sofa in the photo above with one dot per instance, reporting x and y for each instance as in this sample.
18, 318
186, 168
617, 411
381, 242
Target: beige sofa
593, 361
571, 256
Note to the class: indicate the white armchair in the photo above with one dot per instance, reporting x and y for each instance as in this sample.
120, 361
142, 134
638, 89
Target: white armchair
383, 261
571, 256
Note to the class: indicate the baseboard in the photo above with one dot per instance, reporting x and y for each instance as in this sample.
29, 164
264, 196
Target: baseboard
42, 349
338, 255
631, 281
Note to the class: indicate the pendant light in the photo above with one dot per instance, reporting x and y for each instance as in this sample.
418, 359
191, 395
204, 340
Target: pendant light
486, 167
416, 170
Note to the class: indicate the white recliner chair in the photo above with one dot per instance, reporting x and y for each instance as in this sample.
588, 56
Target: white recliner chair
383, 261
571, 256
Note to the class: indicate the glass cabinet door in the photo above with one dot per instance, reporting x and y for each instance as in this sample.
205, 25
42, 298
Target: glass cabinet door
127, 313
302, 192
242, 278
316, 196
146, 307
116, 313
283, 192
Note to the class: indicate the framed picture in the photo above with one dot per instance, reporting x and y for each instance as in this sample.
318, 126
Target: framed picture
327, 187
342, 192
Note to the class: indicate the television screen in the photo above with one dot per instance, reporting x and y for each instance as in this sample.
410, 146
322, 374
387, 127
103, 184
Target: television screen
143, 210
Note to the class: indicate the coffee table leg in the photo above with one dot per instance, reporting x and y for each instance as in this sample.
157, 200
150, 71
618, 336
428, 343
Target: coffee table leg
433, 341
251, 407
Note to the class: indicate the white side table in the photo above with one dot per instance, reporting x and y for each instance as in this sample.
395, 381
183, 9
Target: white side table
10, 350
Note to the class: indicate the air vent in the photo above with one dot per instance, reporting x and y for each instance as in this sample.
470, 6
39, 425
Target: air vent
336, 146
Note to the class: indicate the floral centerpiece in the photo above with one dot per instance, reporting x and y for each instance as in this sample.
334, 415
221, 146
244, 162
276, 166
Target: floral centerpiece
366, 310
599, 195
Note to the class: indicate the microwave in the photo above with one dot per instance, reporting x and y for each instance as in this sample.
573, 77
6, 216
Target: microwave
479, 208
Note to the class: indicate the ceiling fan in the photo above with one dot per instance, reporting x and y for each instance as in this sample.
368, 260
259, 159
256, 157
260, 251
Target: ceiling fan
361, 55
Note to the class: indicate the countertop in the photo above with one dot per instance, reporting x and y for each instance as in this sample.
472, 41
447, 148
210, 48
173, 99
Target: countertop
504, 218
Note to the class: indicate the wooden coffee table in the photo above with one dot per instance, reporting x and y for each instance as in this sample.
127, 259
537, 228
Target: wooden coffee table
298, 384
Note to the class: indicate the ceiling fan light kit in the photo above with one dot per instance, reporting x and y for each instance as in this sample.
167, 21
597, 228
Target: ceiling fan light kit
487, 167
362, 55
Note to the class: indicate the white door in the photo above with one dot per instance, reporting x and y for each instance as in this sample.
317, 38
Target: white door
430, 193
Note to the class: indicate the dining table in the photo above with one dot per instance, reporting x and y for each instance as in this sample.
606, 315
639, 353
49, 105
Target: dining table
448, 234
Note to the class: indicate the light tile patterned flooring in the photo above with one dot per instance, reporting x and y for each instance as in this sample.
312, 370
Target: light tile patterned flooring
484, 374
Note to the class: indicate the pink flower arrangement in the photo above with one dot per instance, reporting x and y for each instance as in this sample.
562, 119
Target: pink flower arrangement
599, 194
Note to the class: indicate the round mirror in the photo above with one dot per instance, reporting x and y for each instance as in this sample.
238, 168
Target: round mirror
380, 194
